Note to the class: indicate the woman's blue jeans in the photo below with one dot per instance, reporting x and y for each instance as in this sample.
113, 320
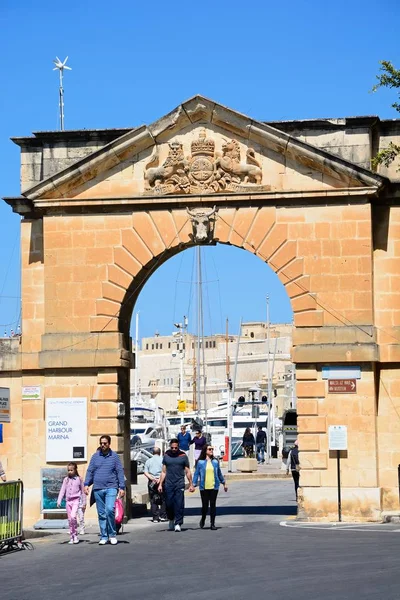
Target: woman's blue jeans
105, 504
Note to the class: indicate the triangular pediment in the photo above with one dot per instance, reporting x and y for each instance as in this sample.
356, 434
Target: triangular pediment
203, 148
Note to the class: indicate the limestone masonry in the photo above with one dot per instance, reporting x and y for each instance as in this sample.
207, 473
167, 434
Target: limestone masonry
101, 210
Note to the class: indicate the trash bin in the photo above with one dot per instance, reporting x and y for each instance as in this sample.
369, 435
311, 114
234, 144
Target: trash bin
134, 472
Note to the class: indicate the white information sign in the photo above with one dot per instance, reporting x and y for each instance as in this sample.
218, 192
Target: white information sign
338, 437
66, 429
5, 405
31, 392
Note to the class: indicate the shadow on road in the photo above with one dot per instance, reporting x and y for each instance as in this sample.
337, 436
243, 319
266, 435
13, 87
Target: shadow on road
247, 510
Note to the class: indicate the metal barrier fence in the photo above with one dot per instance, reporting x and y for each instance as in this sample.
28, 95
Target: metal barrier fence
11, 506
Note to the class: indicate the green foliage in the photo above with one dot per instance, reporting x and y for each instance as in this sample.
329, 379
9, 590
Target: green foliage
388, 78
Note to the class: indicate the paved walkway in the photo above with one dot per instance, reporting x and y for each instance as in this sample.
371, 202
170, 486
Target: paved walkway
249, 556
272, 470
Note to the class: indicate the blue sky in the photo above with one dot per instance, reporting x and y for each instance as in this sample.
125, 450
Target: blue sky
132, 64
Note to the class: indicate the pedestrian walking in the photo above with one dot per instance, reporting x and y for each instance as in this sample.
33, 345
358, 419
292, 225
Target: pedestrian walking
208, 473
106, 474
293, 465
261, 439
152, 470
172, 483
2, 473
184, 439
248, 443
73, 490
199, 442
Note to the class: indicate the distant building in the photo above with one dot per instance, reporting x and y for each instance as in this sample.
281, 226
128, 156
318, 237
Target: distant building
159, 366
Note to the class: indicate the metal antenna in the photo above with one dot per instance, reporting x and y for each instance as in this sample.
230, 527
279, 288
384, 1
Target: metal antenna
60, 66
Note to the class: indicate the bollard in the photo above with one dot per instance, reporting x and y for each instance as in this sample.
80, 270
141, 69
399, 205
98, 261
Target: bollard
398, 478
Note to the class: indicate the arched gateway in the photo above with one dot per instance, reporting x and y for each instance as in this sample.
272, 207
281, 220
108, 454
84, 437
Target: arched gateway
101, 210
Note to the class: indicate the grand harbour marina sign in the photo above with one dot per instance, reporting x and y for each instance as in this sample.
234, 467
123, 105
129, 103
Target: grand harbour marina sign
66, 429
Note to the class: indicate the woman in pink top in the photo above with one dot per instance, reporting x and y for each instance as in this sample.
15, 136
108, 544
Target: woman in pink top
72, 489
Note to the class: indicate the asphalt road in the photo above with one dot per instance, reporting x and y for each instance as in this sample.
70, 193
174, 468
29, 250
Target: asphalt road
250, 556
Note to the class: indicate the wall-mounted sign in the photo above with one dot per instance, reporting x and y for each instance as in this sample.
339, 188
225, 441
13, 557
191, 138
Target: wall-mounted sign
66, 429
338, 437
5, 405
342, 386
337, 372
51, 485
31, 392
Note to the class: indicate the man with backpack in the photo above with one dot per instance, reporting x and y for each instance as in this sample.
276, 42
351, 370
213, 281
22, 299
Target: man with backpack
152, 470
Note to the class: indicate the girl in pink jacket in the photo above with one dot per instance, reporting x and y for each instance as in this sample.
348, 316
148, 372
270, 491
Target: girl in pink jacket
72, 489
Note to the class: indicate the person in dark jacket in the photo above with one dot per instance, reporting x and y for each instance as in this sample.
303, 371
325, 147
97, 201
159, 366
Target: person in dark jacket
248, 443
293, 465
261, 439
199, 442
106, 474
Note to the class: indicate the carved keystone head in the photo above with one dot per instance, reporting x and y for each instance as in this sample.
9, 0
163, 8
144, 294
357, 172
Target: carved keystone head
202, 224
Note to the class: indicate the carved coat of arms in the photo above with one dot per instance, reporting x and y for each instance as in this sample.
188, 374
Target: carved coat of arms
205, 171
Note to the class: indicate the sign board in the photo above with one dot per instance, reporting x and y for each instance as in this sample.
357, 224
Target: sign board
31, 392
182, 405
5, 405
346, 372
66, 429
52, 479
338, 437
342, 386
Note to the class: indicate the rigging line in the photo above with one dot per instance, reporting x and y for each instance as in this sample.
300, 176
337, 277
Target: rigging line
209, 316
389, 396
176, 289
8, 324
191, 284
211, 327
329, 309
219, 293
205, 281
9, 264
134, 290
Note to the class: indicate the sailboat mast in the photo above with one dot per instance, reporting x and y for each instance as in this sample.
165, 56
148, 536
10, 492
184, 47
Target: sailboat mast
198, 357
202, 340
136, 358
227, 359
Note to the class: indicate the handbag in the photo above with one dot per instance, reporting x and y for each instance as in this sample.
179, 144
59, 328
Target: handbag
119, 511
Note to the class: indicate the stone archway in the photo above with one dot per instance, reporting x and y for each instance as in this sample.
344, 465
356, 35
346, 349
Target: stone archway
99, 224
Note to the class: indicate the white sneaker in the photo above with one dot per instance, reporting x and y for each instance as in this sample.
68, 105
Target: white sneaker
71, 541
171, 526
82, 531
76, 540
103, 542
113, 541
177, 528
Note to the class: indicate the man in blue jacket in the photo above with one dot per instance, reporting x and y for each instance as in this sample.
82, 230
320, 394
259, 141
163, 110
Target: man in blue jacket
106, 474
184, 439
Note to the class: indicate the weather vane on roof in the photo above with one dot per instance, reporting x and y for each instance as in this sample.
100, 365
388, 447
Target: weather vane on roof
60, 66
